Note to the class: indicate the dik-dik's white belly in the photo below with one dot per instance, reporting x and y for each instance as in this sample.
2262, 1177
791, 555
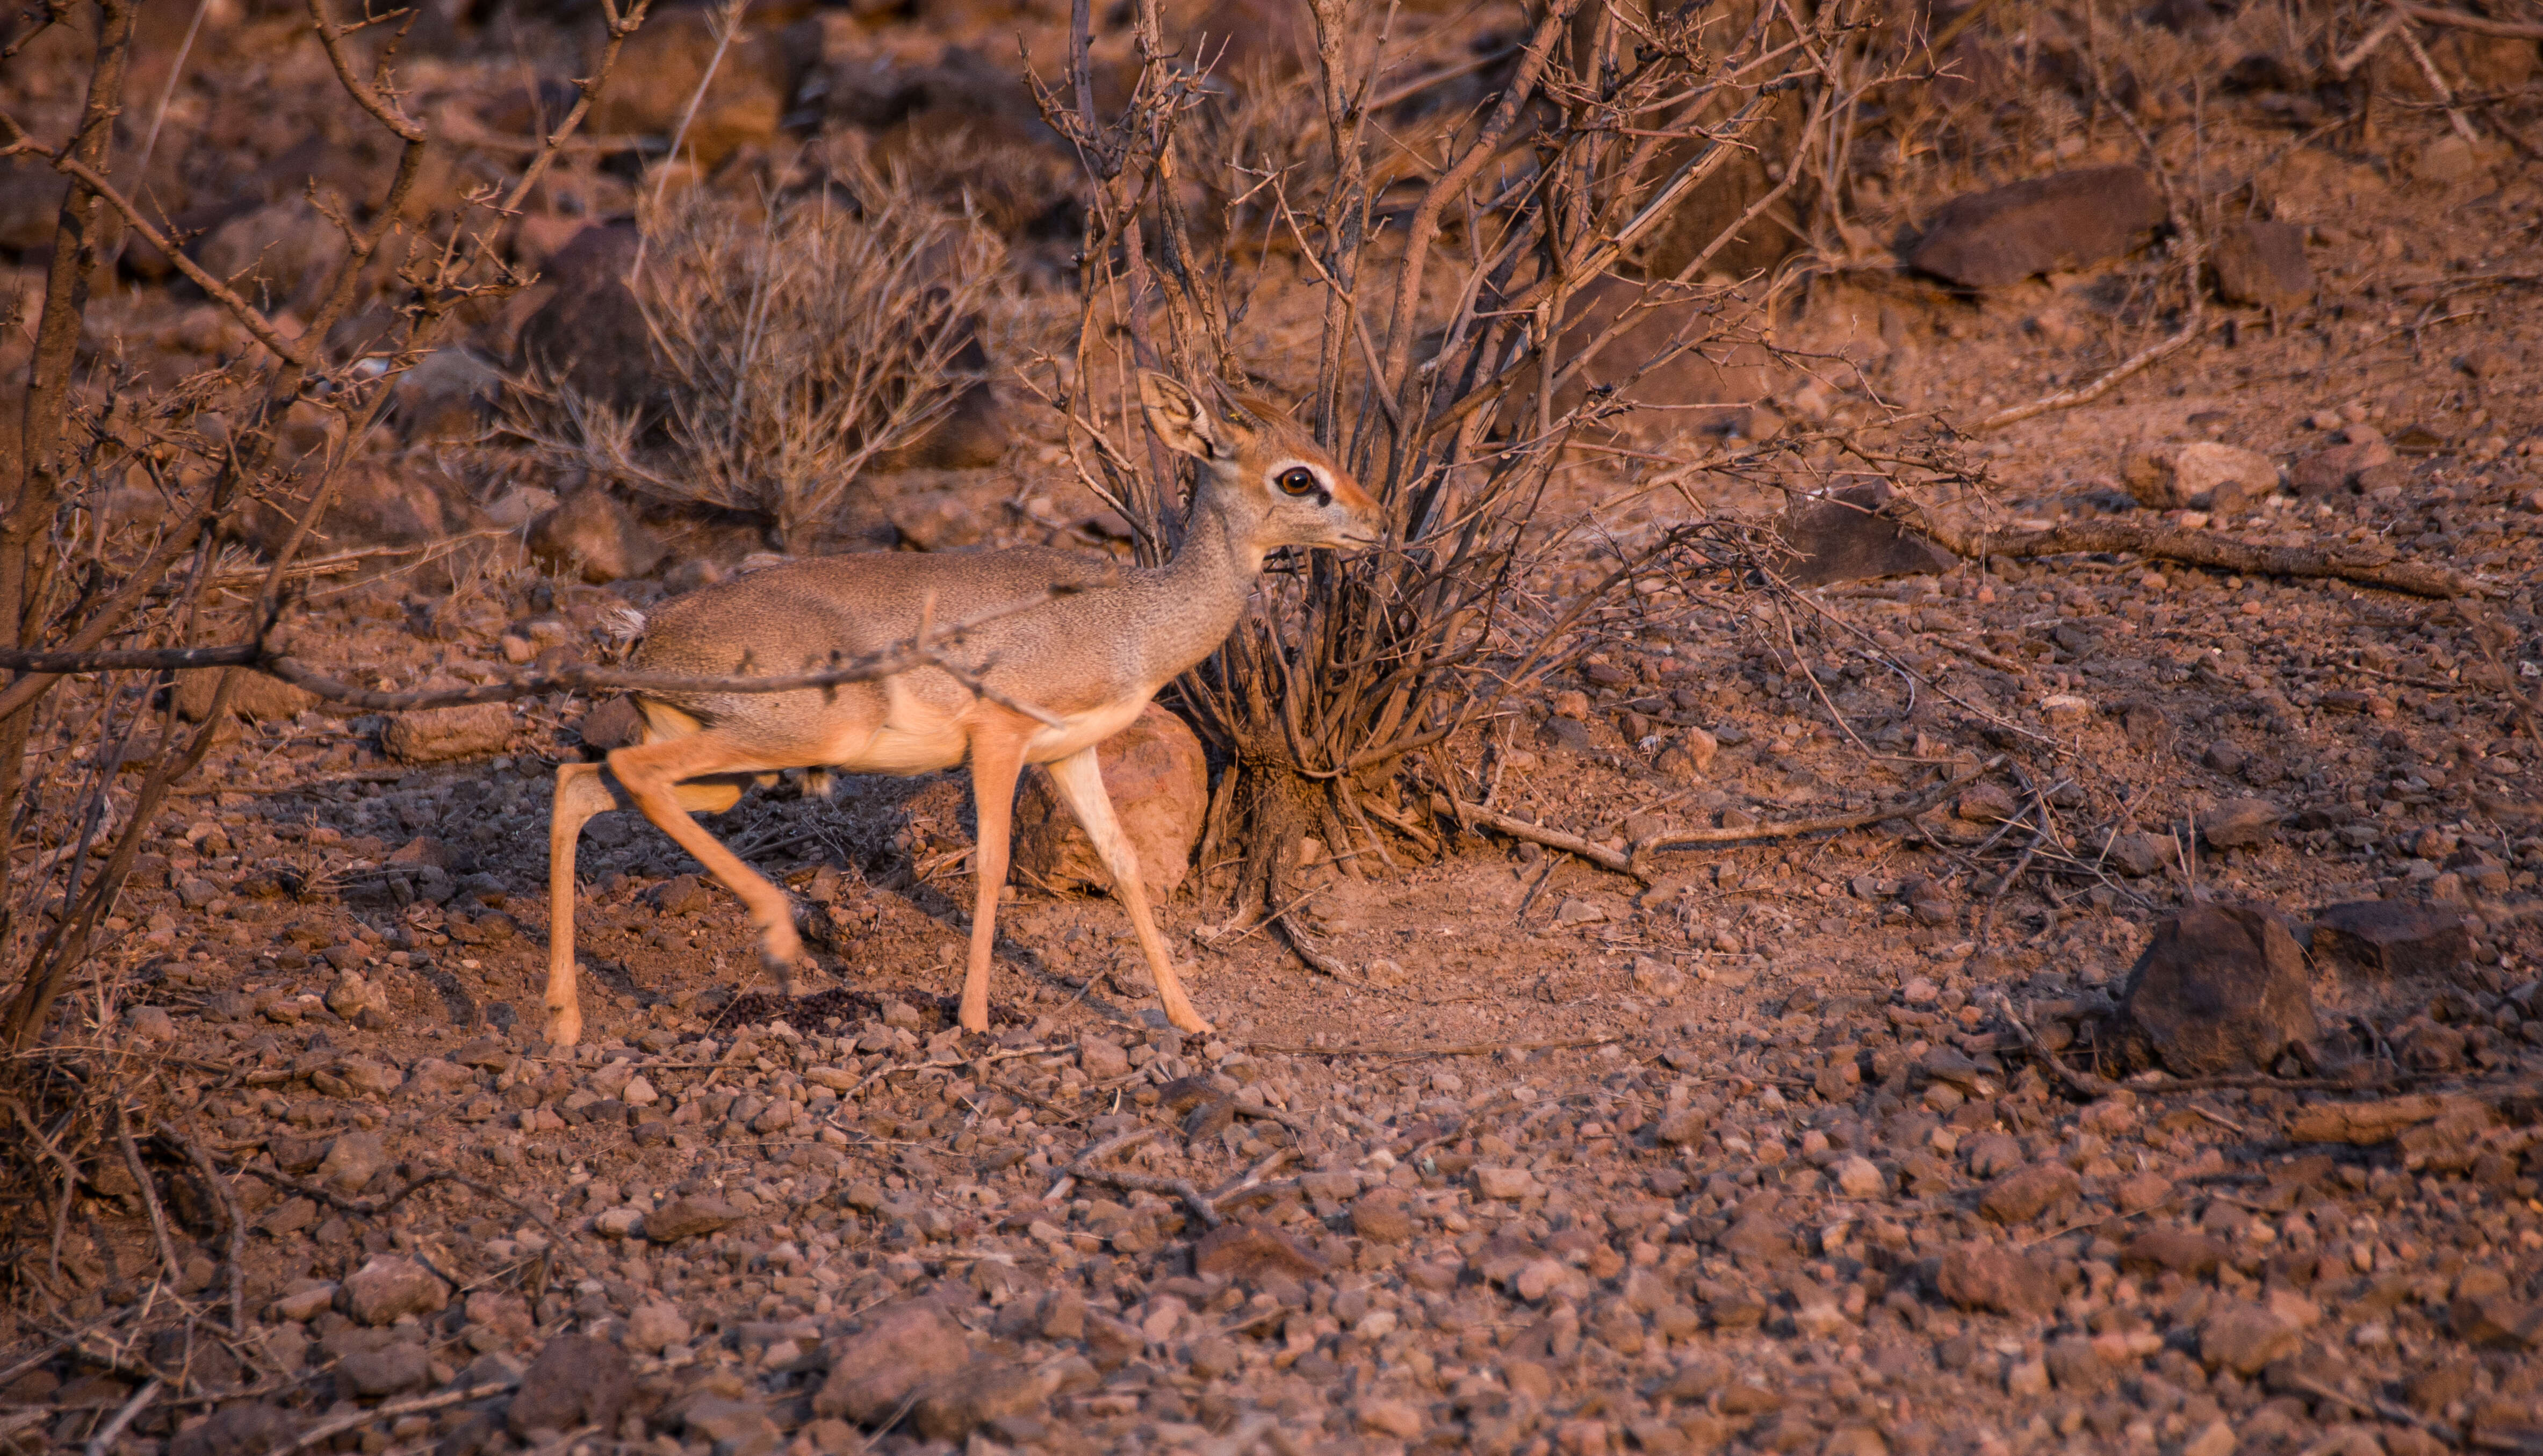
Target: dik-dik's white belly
1080, 730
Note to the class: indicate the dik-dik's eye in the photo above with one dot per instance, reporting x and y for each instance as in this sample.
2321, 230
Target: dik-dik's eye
1297, 480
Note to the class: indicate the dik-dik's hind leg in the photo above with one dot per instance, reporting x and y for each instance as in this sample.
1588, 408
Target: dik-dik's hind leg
1080, 781
996, 760
582, 793
659, 777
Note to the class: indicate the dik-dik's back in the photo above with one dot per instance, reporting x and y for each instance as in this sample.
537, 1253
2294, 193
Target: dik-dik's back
1064, 653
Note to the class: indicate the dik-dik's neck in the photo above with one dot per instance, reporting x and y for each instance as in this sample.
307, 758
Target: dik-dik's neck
1192, 601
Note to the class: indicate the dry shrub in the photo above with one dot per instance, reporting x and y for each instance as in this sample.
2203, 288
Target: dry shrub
1453, 360
793, 346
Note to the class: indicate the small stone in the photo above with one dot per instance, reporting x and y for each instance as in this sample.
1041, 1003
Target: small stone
2143, 1190
390, 1287
576, 1381
150, 1024
1762, 1235
2393, 938
2215, 1438
2261, 263
1381, 1221
245, 1428
308, 1301
903, 1347
988, 1389
385, 1371
732, 1427
440, 734
2497, 1319
1681, 1127
2226, 478
2027, 1378
1504, 1183
1101, 1060
686, 1218
2243, 1338
1857, 1177
2021, 1196
1249, 1254
2078, 1366
1997, 1279
1401, 1419
433, 1077
2240, 823
2140, 854
654, 1326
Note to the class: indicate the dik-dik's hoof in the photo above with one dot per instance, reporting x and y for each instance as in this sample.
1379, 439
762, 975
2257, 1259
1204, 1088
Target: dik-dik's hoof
565, 1026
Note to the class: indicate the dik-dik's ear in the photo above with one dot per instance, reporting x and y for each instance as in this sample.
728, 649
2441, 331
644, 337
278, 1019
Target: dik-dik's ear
1180, 419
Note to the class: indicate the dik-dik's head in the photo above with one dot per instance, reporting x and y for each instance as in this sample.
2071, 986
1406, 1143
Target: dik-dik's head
1297, 493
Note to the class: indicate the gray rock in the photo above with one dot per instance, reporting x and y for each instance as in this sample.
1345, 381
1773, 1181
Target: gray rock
1249, 1254
654, 1325
2226, 478
1841, 536
2140, 854
2044, 224
1101, 1060
731, 1428
576, 1381
2219, 989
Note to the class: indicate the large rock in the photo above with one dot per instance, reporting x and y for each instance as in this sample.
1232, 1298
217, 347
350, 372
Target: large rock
279, 254
2244, 1338
594, 535
2240, 823
448, 396
576, 1381
1713, 387
2220, 989
903, 1348
2393, 938
588, 335
376, 505
1159, 784
1842, 536
440, 734
2045, 224
2262, 264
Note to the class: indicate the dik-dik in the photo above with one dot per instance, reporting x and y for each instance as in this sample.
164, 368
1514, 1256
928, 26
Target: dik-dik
1091, 658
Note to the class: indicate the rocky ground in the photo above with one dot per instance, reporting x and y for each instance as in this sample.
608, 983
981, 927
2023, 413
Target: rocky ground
2168, 1083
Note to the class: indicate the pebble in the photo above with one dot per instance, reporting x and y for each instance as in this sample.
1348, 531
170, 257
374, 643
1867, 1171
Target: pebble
390, 1287
576, 1380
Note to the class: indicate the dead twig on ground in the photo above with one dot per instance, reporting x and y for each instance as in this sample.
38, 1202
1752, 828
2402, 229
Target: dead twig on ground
2367, 565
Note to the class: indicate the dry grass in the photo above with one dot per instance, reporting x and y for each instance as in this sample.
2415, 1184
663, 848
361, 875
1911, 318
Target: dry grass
793, 346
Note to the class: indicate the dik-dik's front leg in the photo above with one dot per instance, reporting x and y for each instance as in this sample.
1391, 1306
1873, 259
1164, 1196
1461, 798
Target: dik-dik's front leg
1080, 781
